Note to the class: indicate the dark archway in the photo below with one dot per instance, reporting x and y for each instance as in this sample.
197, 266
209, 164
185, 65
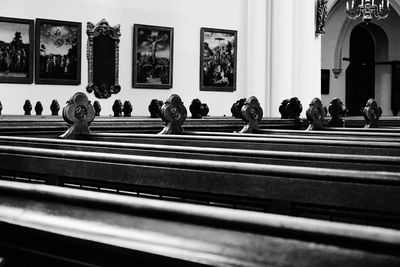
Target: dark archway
360, 74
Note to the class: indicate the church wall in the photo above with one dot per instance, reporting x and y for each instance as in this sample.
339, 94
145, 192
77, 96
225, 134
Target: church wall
185, 16
337, 22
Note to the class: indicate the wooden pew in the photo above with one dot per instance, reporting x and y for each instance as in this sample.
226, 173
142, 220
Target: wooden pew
365, 197
95, 229
289, 158
212, 143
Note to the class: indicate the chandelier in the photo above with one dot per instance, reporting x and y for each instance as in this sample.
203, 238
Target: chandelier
368, 9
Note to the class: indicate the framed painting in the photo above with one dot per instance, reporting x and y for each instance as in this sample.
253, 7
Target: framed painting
58, 52
218, 53
152, 56
16, 50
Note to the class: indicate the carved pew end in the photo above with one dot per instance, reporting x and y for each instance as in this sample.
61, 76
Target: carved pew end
291, 109
315, 113
173, 113
198, 109
337, 109
155, 108
252, 114
78, 113
371, 112
236, 108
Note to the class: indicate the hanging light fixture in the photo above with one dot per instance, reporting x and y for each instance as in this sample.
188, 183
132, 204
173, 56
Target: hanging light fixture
367, 9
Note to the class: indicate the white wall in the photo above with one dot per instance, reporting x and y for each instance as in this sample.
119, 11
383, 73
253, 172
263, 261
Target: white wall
185, 16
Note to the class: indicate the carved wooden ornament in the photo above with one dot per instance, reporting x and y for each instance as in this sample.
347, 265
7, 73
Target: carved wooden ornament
54, 107
102, 76
97, 107
283, 110
322, 15
371, 112
78, 113
198, 109
38, 108
237, 107
315, 113
155, 108
252, 114
173, 113
117, 108
27, 107
128, 108
294, 108
337, 109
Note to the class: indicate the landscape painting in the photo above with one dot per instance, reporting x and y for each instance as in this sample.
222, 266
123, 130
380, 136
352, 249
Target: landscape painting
152, 57
16, 50
218, 59
58, 52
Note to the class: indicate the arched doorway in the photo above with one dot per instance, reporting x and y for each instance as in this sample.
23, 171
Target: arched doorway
360, 74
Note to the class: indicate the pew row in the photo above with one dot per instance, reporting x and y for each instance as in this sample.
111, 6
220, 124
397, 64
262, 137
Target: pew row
55, 125
95, 229
364, 197
256, 142
289, 158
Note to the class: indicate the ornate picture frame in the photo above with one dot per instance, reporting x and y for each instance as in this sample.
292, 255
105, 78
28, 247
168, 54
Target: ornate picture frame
218, 59
58, 52
103, 59
152, 56
16, 50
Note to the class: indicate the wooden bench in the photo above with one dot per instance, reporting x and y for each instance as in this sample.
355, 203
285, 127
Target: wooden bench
365, 197
288, 158
207, 167
64, 227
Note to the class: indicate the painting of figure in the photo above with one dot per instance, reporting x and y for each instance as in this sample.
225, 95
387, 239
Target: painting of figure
58, 52
218, 60
16, 55
153, 56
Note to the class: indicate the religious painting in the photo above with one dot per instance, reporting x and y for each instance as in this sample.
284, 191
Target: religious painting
218, 55
152, 56
58, 52
16, 50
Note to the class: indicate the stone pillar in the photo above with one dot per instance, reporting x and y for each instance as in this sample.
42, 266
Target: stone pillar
295, 60
258, 52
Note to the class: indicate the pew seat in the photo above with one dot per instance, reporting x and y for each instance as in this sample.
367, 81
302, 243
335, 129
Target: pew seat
46, 225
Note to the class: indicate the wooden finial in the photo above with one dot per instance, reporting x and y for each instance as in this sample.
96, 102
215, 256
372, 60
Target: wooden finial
315, 114
155, 108
371, 112
283, 110
128, 108
173, 113
117, 108
78, 113
198, 109
27, 107
294, 108
236, 108
252, 114
38, 108
54, 107
97, 107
